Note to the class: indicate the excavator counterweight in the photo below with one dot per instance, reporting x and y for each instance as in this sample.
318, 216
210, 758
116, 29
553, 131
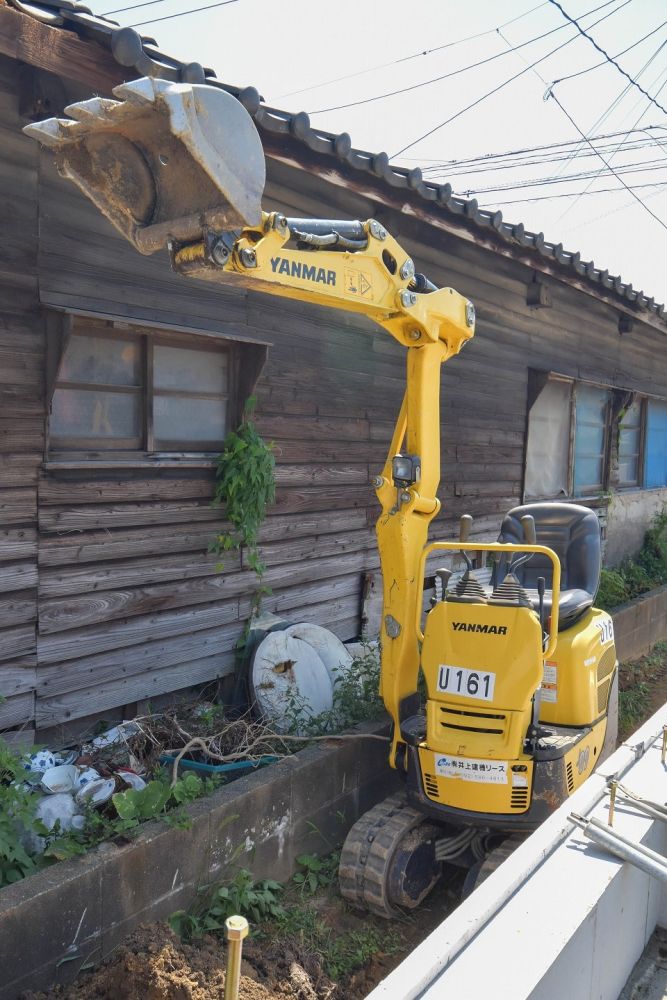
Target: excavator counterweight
164, 162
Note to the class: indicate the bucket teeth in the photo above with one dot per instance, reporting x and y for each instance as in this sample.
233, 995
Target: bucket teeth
51, 133
92, 110
139, 92
163, 161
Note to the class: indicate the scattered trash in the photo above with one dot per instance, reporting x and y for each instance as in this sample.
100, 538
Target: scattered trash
98, 792
63, 778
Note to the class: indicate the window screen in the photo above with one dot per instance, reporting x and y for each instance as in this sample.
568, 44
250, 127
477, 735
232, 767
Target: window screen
123, 391
548, 445
591, 411
629, 445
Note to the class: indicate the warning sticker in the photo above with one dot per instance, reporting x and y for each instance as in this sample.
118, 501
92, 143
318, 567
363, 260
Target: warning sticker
549, 692
550, 672
358, 283
519, 781
488, 772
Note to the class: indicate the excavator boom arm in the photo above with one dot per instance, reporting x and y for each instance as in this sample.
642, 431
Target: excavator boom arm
182, 166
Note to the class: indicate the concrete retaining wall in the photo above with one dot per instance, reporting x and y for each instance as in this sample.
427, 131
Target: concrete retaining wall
629, 515
639, 624
78, 910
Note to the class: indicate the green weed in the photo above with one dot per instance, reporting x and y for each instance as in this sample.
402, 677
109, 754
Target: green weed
257, 901
637, 576
316, 872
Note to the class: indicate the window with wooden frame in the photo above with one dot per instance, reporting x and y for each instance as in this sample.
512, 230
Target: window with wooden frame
124, 390
567, 451
631, 434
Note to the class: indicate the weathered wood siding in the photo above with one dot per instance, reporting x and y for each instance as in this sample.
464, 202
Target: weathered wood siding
21, 410
107, 594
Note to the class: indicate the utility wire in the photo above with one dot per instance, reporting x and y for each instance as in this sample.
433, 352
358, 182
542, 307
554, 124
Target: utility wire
415, 55
607, 165
530, 150
609, 59
500, 86
553, 197
447, 76
522, 162
133, 6
182, 13
632, 128
582, 72
647, 166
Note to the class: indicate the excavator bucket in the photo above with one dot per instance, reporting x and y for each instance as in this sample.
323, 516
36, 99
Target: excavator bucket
164, 162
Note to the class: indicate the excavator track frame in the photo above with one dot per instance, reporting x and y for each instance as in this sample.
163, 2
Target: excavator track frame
371, 876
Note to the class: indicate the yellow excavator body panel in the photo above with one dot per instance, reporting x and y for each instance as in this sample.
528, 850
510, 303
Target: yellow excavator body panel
578, 676
482, 664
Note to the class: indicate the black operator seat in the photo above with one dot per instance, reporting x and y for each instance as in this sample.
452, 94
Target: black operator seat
573, 532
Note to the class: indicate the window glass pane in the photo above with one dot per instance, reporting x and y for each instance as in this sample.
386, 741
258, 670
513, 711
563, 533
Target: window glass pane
589, 440
189, 421
183, 368
548, 442
101, 359
629, 445
628, 470
632, 417
83, 413
656, 444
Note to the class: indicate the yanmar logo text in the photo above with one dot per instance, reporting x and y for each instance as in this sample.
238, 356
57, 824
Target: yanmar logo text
476, 627
280, 265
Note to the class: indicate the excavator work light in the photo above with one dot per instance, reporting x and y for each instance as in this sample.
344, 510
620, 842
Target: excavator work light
405, 469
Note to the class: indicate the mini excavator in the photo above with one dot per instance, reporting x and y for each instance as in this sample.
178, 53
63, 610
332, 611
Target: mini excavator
520, 673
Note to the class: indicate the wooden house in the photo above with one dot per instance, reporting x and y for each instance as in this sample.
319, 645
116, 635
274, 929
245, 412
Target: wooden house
119, 379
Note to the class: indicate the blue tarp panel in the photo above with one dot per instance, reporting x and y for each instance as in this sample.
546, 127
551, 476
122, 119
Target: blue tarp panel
656, 445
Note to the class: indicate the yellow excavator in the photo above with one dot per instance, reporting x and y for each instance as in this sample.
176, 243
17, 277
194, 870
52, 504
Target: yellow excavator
520, 670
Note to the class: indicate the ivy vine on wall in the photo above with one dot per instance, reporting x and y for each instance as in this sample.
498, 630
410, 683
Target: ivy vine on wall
245, 487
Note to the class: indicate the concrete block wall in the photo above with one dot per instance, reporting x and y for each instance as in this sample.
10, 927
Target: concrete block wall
639, 624
77, 911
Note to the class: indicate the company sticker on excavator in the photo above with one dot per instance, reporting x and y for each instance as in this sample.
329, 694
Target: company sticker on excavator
487, 772
478, 684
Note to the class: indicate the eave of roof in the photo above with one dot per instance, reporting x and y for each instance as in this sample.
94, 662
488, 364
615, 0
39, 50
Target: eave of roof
140, 54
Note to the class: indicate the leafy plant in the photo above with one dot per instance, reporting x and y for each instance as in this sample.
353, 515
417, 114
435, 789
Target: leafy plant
245, 486
258, 901
637, 576
142, 804
317, 873
356, 698
17, 820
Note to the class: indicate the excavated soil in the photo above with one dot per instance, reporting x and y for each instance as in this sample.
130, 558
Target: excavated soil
153, 964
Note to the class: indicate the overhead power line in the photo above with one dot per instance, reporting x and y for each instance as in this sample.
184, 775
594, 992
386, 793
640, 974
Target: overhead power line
624, 143
447, 76
414, 55
553, 197
501, 86
530, 150
133, 6
646, 166
607, 165
582, 72
182, 13
609, 58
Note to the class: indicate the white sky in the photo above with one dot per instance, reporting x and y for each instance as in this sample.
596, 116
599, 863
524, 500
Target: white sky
282, 46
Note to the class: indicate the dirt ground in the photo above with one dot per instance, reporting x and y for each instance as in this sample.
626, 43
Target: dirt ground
153, 964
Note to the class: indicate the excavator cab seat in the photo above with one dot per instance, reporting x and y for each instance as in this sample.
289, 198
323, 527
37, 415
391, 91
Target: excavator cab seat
573, 532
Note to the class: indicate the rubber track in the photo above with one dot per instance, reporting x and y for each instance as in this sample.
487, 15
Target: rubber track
495, 858
368, 852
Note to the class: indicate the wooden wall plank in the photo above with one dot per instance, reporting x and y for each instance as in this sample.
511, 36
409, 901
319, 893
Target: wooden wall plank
18, 710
